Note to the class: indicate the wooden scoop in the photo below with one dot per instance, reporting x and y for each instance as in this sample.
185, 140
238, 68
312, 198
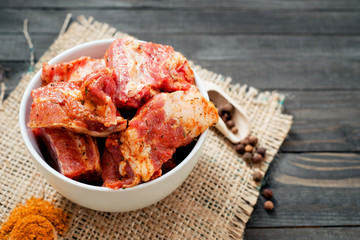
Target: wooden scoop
219, 98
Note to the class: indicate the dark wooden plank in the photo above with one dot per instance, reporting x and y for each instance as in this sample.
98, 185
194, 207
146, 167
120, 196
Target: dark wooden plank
13, 74
313, 189
193, 21
323, 121
323, 135
230, 47
15, 47
272, 62
328, 233
175, 4
285, 74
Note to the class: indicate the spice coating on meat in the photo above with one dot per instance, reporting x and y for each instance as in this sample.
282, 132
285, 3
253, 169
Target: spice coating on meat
70, 71
166, 122
82, 107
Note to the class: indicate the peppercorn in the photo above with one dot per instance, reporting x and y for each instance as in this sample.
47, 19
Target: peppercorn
234, 130
269, 205
257, 158
240, 149
230, 123
228, 108
220, 110
249, 148
225, 117
257, 176
247, 157
261, 151
245, 141
253, 140
267, 193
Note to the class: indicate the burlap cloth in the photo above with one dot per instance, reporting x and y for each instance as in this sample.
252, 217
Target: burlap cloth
215, 201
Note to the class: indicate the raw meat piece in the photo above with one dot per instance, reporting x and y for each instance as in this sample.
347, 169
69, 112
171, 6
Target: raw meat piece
144, 69
76, 156
166, 122
70, 71
110, 164
81, 107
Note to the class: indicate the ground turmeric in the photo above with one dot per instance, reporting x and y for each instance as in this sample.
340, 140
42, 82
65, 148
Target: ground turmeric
33, 227
34, 206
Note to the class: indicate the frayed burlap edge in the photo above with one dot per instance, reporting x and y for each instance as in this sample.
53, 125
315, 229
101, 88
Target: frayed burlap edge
210, 216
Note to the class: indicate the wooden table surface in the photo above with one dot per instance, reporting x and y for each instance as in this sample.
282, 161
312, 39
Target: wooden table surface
308, 50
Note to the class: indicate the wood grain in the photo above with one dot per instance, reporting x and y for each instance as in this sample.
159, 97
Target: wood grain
193, 21
311, 195
274, 62
334, 233
188, 4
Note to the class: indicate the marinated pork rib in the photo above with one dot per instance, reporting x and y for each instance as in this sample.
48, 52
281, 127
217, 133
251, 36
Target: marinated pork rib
82, 107
110, 165
144, 69
70, 71
76, 156
166, 122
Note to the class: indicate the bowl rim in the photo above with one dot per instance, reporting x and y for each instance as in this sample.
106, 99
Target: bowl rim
39, 159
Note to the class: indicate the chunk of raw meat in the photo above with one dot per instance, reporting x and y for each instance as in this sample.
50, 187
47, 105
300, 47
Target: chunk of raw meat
76, 156
70, 71
165, 123
144, 69
82, 107
110, 161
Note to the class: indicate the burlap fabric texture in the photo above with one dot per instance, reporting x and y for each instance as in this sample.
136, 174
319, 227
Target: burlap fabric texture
215, 201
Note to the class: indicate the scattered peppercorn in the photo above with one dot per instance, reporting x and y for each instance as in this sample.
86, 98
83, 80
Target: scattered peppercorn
253, 140
267, 193
257, 176
261, 151
249, 148
245, 142
269, 205
247, 157
257, 158
240, 149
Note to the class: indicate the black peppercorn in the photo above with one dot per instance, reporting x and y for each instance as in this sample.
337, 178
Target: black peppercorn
257, 158
234, 130
253, 140
240, 149
257, 176
261, 151
230, 123
247, 157
267, 193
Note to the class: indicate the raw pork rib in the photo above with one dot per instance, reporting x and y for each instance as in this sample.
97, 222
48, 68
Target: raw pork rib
82, 107
164, 123
70, 71
74, 155
144, 69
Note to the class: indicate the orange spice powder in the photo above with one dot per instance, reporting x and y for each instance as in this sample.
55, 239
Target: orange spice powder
23, 216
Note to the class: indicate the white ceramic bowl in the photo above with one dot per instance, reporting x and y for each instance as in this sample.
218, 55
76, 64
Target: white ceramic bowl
94, 197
